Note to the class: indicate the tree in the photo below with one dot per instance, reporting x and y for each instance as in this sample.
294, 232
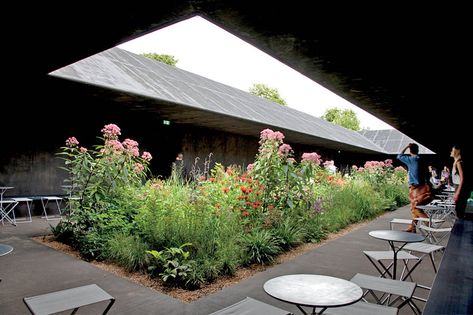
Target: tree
267, 92
167, 59
342, 117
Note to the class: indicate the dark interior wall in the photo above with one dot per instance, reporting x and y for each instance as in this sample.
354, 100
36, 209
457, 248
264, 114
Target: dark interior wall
28, 159
54, 112
225, 148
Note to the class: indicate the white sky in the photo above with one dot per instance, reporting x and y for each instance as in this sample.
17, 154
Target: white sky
207, 50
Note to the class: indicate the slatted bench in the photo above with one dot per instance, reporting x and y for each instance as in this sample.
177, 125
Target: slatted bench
69, 299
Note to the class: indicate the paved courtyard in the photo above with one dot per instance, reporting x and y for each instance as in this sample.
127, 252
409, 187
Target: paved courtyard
33, 269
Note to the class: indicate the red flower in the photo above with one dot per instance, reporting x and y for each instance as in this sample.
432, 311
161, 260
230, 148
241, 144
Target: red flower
246, 213
225, 189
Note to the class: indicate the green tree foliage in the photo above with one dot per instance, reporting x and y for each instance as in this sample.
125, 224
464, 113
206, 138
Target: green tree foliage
167, 59
267, 92
343, 117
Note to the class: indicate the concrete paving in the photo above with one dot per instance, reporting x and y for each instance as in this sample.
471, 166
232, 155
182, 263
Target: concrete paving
33, 269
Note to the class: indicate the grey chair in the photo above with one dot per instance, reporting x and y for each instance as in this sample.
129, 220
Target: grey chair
382, 290
250, 306
363, 308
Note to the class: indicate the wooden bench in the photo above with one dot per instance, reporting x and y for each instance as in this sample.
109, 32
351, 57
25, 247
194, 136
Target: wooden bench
69, 299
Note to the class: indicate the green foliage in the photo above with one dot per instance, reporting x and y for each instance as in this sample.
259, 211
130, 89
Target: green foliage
343, 117
167, 59
267, 92
96, 174
128, 251
355, 201
173, 266
261, 247
232, 217
288, 234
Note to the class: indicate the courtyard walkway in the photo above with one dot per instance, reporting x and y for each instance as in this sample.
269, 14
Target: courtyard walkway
33, 269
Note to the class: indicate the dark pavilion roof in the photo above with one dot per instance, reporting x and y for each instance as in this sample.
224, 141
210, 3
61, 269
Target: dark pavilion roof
185, 97
392, 140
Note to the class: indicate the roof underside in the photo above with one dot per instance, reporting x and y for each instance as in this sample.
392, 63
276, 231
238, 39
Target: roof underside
399, 62
392, 140
184, 97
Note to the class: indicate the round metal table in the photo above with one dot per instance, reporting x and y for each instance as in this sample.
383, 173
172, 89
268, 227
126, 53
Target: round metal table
396, 237
313, 291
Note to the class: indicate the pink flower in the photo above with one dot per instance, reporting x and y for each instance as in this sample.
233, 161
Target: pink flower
111, 131
311, 157
115, 145
131, 147
268, 134
72, 142
284, 149
146, 156
250, 167
388, 162
83, 150
139, 168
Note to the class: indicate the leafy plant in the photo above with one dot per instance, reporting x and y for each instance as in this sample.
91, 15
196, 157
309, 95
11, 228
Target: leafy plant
288, 234
127, 251
261, 247
172, 265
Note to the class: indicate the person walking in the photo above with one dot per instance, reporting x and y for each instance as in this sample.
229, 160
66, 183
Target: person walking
419, 190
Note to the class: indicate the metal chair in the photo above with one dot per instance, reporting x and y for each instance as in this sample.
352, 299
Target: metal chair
382, 290
250, 306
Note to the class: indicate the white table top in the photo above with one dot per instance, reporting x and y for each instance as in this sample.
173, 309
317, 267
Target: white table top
313, 290
397, 236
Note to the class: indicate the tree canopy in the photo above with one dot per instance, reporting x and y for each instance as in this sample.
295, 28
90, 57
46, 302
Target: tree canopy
167, 59
343, 117
267, 92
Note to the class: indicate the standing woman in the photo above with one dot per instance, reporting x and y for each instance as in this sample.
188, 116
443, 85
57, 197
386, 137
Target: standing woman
458, 179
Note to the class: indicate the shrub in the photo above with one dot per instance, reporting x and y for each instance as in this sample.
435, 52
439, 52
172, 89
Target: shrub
127, 251
261, 247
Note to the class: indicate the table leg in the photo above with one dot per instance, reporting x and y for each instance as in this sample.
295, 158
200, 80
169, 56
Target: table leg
314, 311
302, 310
391, 243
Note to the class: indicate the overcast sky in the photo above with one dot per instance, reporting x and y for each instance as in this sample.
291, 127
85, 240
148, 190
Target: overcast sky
205, 49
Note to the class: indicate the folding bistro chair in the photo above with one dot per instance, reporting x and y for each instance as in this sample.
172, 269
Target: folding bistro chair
425, 249
45, 200
383, 290
378, 260
28, 202
435, 235
249, 306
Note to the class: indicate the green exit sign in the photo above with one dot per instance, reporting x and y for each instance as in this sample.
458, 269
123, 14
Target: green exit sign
166, 122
